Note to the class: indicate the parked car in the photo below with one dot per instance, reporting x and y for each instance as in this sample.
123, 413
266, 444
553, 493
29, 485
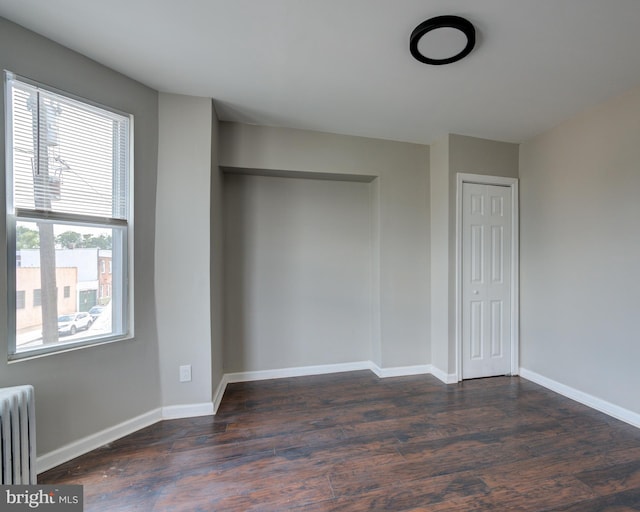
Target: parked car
95, 312
70, 324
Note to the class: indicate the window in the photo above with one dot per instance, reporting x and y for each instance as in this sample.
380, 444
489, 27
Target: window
20, 299
103, 267
68, 198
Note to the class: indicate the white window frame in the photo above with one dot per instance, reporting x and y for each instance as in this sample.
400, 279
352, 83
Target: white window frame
13, 216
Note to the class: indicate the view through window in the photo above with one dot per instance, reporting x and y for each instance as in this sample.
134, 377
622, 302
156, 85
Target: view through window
68, 212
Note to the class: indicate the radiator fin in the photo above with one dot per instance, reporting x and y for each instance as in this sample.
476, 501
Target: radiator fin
17, 436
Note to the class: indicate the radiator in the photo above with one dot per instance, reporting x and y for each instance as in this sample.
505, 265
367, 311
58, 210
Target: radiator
17, 436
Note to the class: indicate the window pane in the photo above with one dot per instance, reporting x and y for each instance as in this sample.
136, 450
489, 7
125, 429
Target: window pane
79, 252
68, 205
69, 157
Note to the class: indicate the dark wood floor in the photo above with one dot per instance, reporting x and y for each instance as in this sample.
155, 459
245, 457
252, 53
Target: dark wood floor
352, 442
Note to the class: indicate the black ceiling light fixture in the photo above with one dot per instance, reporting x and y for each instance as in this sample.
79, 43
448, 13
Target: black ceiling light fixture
442, 40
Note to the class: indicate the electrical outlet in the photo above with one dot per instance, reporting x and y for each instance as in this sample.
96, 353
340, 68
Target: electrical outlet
185, 373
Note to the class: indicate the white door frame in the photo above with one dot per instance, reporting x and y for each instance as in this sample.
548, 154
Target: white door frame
515, 258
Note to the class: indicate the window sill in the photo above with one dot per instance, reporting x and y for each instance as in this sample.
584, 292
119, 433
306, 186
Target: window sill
61, 348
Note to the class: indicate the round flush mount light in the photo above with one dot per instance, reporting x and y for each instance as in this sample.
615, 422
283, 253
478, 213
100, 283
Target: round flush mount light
442, 40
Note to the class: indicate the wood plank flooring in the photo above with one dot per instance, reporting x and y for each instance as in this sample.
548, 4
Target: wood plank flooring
353, 442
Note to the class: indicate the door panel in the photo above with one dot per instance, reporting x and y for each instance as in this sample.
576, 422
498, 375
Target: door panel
497, 340
497, 252
486, 286
476, 330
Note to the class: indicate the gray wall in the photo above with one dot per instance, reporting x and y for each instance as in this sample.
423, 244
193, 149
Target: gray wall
440, 267
400, 220
475, 156
216, 284
482, 156
451, 155
84, 391
183, 247
580, 248
298, 272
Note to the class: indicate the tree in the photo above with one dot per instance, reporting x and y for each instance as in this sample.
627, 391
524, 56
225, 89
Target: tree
27, 238
101, 242
74, 240
70, 240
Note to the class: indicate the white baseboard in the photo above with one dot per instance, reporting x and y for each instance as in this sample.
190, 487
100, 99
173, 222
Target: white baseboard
447, 378
299, 371
82, 446
108, 435
86, 444
596, 403
173, 412
219, 393
401, 371
302, 371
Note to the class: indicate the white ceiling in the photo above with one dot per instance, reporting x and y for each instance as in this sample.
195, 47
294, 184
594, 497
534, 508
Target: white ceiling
343, 66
